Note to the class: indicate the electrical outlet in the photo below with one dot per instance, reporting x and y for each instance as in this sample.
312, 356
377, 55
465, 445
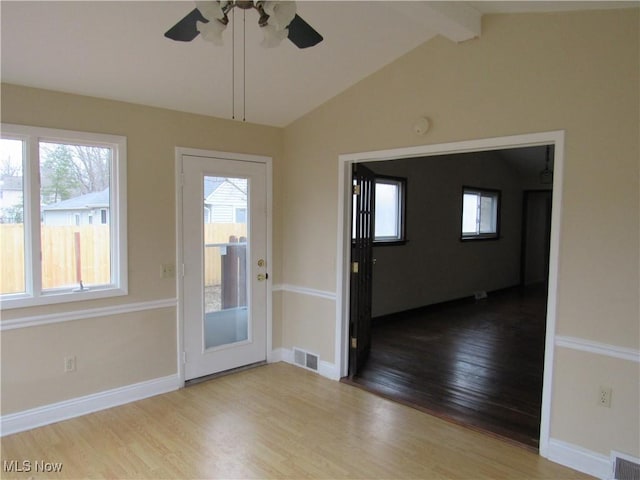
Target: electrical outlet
168, 270
69, 364
604, 397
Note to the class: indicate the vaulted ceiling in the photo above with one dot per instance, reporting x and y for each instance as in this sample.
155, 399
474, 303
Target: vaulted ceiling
117, 50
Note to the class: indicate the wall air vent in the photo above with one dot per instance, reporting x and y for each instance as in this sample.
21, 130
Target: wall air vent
625, 467
480, 295
305, 359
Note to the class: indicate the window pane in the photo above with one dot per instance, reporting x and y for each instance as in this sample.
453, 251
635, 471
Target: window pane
12, 244
387, 210
487, 214
76, 252
470, 214
480, 213
241, 215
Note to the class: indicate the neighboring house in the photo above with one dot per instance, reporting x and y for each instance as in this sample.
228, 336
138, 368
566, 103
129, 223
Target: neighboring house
10, 199
225, 200
89, 209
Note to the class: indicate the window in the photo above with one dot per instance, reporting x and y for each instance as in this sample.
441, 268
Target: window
52, 251
390, 210
241, 215
480, 213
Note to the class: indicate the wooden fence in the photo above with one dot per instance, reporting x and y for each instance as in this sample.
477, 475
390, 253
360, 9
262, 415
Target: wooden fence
216, 237
59, 246
11, 258
59, 254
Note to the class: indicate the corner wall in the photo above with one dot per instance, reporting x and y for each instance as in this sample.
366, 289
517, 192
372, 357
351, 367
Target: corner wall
527, 73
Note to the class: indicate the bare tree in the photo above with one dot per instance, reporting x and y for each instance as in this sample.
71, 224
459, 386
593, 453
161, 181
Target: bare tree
9, 168
71, 170
92, 167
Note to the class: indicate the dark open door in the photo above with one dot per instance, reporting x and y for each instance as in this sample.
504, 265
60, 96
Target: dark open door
361, 267
536, 237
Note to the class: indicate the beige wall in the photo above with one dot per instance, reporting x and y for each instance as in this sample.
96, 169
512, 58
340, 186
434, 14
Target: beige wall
125, 349
111, 352
576, 72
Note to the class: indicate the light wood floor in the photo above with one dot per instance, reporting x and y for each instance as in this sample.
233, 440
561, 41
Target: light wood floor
274, 421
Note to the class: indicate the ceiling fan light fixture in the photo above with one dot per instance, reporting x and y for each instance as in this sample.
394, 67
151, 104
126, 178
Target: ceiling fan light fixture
281, 14
211, 31
272, 37
212, 9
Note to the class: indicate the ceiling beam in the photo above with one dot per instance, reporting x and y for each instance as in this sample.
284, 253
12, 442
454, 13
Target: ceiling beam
456, 21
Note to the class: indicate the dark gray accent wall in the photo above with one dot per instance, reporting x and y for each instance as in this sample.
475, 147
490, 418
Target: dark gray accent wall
435, 265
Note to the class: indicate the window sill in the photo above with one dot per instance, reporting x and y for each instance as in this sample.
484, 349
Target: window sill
390, 243
478, 238
54, 297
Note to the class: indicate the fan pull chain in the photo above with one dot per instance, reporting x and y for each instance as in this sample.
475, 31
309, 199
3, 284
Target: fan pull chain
244, 65
233, 64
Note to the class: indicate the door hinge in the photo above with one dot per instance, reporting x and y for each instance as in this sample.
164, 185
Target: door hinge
354, 342
355, 266
356, 189
184, 358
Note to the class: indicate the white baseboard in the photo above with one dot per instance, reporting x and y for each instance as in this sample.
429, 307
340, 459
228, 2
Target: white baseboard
326, 369
56, 412
279, 355
329, 370
578, 458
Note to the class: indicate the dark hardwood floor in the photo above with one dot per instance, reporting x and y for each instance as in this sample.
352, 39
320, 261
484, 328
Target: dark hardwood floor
477, 363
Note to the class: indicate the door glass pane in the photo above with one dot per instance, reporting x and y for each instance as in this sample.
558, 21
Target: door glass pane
12, 237
74, 190
225, 261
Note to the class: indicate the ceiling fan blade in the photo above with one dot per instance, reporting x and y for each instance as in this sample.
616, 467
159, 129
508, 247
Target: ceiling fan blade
302, 34
185, 30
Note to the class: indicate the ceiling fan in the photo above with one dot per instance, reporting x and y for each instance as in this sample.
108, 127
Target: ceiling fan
278, 20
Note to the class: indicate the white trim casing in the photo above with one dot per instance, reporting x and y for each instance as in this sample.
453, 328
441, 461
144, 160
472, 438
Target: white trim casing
286, 287
578, 458
598, 348
56, 412
345, 162
46, 319
326, 369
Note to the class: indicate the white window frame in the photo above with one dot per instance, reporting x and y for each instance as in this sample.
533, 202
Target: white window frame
34, 294
401, 184
477, 235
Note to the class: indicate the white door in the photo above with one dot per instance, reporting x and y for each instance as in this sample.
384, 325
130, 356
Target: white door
224, 230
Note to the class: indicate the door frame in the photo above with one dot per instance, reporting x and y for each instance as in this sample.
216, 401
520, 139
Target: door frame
345, 162
241, 157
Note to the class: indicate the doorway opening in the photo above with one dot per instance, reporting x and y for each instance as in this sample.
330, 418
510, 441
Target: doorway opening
440, 279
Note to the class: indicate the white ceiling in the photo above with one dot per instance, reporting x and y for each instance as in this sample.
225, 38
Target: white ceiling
117, 50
